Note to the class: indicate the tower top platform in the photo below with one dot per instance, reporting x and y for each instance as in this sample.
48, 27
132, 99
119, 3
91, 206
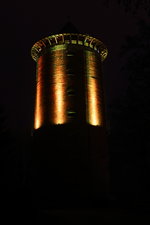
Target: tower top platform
42, 46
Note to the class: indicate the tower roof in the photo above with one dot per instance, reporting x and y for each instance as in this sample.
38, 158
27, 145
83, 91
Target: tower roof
69, 28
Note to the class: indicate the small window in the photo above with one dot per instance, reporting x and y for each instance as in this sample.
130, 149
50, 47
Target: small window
70, 92
70, 74
67, 39
69, 70
93, 77
80, 42
86, 43
71, 113
52, 40
74, 41
70, 53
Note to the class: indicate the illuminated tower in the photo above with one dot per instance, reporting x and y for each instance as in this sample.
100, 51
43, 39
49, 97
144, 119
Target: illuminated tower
69, 120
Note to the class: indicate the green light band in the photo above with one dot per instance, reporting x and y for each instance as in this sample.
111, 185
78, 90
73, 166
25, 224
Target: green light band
41, 47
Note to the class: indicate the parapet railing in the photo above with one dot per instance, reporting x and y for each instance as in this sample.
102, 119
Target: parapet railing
41, 46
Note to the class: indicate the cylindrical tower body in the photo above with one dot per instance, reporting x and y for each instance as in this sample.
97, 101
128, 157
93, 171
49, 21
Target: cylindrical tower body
69, 112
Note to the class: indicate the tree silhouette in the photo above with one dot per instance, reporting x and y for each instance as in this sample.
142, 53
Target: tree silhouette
137, 52
131, 117
133, 6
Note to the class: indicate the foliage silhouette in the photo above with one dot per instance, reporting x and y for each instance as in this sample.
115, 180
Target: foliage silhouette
129, 140
133, 6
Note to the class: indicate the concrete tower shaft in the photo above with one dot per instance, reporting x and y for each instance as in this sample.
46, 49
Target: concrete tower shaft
69, 80
69, 122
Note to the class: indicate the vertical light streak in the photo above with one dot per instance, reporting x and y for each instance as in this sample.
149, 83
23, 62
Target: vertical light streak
38, 109
94, 115
59, 88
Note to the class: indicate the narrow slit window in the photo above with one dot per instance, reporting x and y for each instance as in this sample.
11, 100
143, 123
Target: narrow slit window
70, 92
71, 113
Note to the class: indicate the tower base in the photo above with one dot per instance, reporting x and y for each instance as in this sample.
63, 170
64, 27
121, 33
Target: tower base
70, 166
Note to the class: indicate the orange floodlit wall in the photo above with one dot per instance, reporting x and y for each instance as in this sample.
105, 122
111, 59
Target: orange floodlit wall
51, 84
59, 86
38, 117
93, 92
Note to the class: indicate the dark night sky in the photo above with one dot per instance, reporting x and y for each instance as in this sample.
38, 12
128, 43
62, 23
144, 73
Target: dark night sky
24, 23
